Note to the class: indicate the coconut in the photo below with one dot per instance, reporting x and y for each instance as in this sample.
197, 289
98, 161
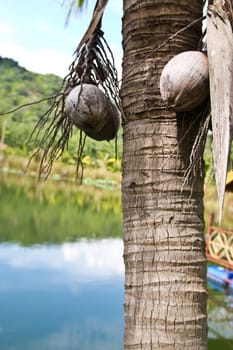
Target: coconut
184, 82
90, 110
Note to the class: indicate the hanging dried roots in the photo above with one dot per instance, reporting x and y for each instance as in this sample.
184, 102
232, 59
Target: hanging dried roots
87, 99
195, 161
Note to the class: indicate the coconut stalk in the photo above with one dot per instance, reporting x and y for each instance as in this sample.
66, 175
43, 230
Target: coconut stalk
220, 56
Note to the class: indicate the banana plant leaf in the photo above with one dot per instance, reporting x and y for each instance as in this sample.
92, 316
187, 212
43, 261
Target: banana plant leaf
220, 57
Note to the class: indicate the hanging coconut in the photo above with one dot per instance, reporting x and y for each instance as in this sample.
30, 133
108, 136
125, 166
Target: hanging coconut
184, 82
79, 102
90, 110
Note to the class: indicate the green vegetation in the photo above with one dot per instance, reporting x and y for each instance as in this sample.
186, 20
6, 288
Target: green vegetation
217, 344
60, 209
55, 212
19, 87
211, 206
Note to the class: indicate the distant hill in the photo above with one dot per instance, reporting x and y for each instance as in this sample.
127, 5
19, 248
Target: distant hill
17, 87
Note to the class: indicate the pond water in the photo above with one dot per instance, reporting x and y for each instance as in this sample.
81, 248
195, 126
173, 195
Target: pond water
67, 296
70, 296
60, 290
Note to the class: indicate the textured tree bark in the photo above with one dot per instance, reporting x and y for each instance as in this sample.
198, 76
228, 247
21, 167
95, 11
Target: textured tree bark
164, 250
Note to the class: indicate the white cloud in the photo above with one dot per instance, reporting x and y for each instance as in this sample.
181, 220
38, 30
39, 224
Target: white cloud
41, 26
41, 61
48, 60
6, 28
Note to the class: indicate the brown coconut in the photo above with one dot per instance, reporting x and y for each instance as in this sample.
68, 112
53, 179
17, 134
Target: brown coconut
90, 110
184, 82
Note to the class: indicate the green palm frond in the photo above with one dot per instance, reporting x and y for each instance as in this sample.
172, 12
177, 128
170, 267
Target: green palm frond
80, 3
77, 4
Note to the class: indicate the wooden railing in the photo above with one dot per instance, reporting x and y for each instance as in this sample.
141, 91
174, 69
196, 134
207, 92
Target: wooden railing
219, 245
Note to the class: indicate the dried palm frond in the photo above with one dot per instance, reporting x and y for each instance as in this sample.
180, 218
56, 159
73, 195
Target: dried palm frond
220, 52
93, 64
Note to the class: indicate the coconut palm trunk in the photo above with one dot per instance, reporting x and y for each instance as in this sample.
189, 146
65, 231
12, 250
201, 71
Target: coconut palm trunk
164, 250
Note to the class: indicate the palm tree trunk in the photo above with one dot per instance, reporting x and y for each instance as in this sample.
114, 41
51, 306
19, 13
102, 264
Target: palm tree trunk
164, 250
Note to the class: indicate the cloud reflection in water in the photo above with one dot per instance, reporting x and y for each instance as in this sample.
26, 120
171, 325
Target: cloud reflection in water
67, 296
81, 260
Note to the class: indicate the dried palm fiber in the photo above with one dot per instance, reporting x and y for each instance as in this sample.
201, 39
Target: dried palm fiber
93, 64
184, 82
220, 56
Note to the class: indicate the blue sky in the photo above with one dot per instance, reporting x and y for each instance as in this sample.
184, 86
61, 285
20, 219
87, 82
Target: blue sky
34, 32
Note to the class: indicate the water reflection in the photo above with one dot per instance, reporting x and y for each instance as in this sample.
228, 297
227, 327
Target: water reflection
220, 312
70, 297
67, 263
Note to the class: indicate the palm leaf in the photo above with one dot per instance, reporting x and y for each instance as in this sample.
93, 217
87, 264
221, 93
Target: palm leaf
80, 3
